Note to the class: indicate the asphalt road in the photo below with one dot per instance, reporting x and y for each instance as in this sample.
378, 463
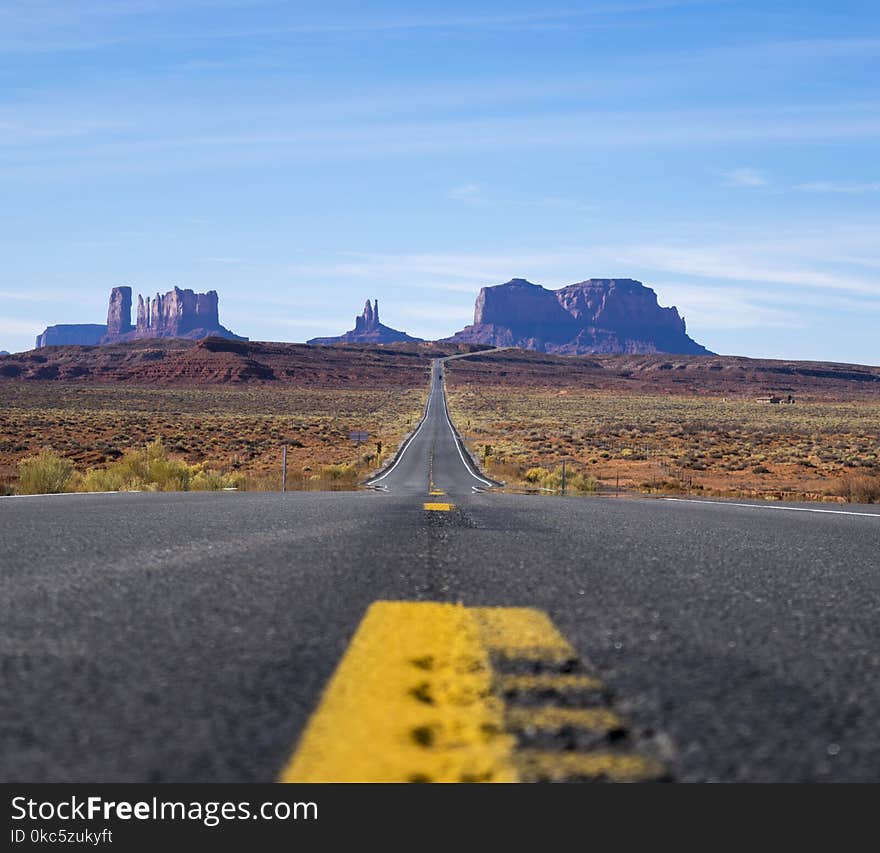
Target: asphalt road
187, 637
433, 459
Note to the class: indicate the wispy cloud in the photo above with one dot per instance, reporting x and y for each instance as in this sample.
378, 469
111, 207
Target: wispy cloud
853, 47
12, 326
58, 27
740, 263
780, 270
744, 177
470, 193
32, 295
287, 141
840, 187
713, 307
476, 194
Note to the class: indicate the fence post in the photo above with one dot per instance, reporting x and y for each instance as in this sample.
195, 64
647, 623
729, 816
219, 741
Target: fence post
563, 476
284, 468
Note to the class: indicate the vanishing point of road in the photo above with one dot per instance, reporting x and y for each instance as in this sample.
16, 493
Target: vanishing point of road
190, 637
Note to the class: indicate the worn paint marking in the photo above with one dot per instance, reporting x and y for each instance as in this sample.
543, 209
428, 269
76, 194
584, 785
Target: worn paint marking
431, 692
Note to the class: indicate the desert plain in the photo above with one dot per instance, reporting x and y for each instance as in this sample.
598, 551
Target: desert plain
622, 424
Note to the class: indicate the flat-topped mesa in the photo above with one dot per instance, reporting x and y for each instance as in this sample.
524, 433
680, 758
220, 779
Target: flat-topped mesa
599, 315
367, 330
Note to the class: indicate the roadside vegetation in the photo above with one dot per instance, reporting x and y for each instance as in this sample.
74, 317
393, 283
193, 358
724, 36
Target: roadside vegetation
151, 469
672, 444
62, 437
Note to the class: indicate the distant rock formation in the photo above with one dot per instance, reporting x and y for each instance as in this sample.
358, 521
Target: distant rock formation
367, 330
600, 315
84, 334
119, 313
180, 314
176, 314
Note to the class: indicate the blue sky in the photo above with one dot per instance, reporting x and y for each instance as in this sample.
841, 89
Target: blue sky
301, 157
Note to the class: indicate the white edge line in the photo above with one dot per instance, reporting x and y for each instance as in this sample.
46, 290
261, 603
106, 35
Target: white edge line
771, 506
457, 444
413, 436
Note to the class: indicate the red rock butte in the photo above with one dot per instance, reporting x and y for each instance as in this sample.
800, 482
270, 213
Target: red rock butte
175, 314
599, 315
367, 330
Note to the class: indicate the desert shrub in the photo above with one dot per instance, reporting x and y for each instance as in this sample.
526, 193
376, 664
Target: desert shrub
206, 480
575, 482
543, 478
266, 481
581, 483
99, 480
860, 489
339, 472
151, 469
46, 473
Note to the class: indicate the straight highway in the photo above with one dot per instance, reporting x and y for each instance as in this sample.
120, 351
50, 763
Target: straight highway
190, 637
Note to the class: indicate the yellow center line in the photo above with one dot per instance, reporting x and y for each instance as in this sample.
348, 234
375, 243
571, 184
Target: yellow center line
411, 701
438, 507
418, 697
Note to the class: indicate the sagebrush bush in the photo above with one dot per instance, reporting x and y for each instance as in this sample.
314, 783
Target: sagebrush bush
575, 482
339, 472
859, 489
207, 480
44, 474
150, 469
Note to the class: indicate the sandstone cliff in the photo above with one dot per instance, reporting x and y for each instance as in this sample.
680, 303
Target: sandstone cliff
176, 314
180, 314
367, 330
119, 313
593, 316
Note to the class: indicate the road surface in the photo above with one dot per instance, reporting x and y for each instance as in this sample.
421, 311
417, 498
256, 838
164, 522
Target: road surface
188, 637
435, 441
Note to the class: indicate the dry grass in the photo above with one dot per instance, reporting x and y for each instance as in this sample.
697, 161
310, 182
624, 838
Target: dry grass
654, 443
234, 433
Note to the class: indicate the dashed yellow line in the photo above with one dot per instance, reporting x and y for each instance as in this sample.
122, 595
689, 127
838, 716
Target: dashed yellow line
436, 492
425, 693
438, 507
